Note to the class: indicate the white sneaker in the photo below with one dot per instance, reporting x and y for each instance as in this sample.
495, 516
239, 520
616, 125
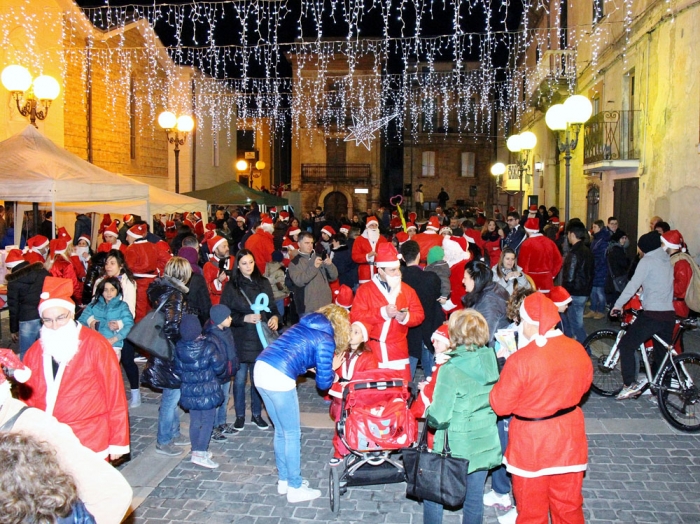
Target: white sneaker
283, 486
502, 502
202, 458
302, 494
509, 518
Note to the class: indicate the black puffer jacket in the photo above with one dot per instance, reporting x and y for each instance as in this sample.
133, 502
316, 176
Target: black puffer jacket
24, 286
577, 271
174, 294
199, 364
246, 334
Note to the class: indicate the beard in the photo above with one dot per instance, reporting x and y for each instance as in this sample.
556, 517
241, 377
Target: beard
372, 235
62, 343
268, 228
394, 285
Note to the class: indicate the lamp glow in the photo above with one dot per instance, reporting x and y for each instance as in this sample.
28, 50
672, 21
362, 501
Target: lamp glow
498, 169
528, 141
167, 120
514, 144
578, 109
185, 123
242, 165
556, 117
16, 78
260, 165
46, 87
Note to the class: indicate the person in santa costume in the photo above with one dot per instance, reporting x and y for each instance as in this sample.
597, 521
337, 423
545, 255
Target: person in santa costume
429, 238
389, 307
441, 343
262, 244
673, 244
539, 257
111, 236
103, 489
60, 265
76, 375
142, 258
365, 247
37, 249
217, 269
542, 385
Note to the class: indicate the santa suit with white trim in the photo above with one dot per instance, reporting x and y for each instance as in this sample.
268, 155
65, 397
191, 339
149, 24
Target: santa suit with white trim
388, 313
87, 390
539, 257
546, 457
363, 246
211, 270
428, 239
142, 258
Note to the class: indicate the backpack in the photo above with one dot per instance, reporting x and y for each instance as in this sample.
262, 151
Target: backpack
692, 294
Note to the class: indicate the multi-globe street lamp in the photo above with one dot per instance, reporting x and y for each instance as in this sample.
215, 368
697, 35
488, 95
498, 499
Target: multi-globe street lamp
522, 144
32, 96
176, 129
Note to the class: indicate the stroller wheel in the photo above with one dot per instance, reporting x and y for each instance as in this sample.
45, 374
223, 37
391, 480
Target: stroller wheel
334, 489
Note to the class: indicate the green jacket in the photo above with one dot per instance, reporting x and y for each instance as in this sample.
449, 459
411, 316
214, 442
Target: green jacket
461, 406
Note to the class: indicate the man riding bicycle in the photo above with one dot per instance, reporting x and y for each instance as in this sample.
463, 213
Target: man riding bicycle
654, 274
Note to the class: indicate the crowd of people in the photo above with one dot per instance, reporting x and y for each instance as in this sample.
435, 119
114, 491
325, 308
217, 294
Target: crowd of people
251, 300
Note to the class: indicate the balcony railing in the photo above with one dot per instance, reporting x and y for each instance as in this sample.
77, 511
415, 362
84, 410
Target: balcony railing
556, 69
611, 135
349, 173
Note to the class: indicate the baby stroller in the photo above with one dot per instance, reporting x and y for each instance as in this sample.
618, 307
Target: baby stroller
375, 424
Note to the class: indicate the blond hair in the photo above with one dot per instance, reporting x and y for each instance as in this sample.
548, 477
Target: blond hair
468, 328
340, 320
179, 268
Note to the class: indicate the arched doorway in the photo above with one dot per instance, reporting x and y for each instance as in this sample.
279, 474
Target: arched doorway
592, 202
335, 204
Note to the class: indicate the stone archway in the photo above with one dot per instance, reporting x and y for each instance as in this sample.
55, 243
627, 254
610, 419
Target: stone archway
336, 201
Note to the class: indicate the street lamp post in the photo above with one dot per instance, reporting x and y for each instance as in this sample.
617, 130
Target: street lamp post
176, 129
522, 144
33, 97
566, 120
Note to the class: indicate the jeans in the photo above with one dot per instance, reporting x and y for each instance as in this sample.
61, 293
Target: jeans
598, 299
283, 410
500, 478
473, 509
638, 333
246, 371
223, 408
28, 334
574, 317
168, 416
280, 308
201, 426
427, 361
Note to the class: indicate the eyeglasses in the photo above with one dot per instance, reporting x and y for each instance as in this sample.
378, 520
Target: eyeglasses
60, 320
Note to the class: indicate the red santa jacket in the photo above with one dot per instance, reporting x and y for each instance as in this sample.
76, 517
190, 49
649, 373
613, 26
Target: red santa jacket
63, 268
539, 258
106, 247
426, 241
80, 270
361, 247
493, 248
537, 382
261, 244
457, 291
351, 365
682, 274
87, 394
211, 276
388, 336
143, 259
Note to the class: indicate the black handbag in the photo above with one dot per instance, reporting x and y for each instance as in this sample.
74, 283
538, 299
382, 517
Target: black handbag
148, 334
435, 476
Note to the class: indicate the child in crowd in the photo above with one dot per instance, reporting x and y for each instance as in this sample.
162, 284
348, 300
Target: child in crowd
441, 342
108, 314
438, 265
356, 357
199, 364
217, 331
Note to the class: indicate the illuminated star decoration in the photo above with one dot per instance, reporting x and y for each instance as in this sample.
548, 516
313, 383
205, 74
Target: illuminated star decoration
362, 131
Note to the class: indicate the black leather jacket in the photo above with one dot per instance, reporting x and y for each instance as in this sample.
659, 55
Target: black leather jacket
174, 293
577, 272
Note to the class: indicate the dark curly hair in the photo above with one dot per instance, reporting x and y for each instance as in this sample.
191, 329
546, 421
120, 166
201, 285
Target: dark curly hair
33, 486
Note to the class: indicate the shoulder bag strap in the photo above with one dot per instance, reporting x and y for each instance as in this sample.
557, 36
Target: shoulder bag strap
8, 425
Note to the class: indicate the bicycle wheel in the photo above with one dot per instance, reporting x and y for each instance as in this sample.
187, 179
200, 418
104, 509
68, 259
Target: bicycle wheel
679, 398
607, 381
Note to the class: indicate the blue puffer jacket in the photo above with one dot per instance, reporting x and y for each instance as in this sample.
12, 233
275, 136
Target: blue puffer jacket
599, 246
103, 312
308, 344
199, 364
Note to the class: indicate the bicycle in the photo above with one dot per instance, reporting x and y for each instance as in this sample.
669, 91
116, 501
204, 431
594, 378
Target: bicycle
676, 383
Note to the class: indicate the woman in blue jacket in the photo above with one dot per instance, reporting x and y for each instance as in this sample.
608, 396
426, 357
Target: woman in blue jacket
310, 344
108, 314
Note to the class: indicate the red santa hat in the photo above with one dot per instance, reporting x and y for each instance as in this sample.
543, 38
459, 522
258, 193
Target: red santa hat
532, 225
207, 237
63, 233
554, 220
9, 360
284, 216
273, 210
169, 224
111, 230
266, 220
137, 231
412, 217
14, 257
56, 293
343, 296
673, 240
85, 237
480, 211
395, 223
411, 225
294, 230
37, 242
496, 211
441, 334
371, 220
344, 229
128, 217
512, 209
364, 328
215, 242
539, 310
401, 237
559, 296
387, 256
532, 208
433, 224
211, 226
57, 246
328, 230
198, 215
462, 241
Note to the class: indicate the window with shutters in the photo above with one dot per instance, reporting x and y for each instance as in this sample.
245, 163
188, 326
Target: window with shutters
468, 164
428, 163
